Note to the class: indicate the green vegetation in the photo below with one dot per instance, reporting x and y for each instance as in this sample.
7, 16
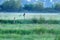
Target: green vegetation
15, 6
34, 7
31, 21
11, 5
57, 6
29, 31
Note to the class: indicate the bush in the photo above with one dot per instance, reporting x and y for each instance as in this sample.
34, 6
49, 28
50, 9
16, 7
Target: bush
53, 21
31, 21
42, 20
34, 20
16, 21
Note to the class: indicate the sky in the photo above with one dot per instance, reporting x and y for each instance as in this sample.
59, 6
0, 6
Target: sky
48, 3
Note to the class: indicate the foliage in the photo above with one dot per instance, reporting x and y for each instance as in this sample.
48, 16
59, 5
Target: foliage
42, 20
34, 20
31, 21
34, 6
29, 31
28, 7
15, 6
57, 6
11, 5
53, 22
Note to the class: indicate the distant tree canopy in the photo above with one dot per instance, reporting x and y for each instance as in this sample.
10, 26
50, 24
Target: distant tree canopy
11, 5
57, 6
29, 7
36, 6
15, 6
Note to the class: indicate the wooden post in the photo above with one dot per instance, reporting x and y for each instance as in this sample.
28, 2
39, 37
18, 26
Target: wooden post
14, 20
24, 16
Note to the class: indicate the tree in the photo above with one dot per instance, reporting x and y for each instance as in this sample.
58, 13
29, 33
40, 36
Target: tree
34, 6
28, 7
11, 5
57, 6
38, 6
0, 8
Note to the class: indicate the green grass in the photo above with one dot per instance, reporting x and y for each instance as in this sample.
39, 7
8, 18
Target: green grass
30, 21
24, 31
29, 31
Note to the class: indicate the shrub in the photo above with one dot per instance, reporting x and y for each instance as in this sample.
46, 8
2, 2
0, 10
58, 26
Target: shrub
34, 20
41, 20
31, 21
52, 21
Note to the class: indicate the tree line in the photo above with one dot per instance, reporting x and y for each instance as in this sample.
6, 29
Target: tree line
15, 6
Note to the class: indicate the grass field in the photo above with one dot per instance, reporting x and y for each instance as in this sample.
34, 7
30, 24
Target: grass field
29, 32
32, 31
18, 16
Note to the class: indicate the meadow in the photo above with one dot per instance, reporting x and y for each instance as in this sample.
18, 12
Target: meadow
18, 16
31, 31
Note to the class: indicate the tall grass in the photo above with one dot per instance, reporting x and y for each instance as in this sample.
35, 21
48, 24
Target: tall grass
32, 31
42, 20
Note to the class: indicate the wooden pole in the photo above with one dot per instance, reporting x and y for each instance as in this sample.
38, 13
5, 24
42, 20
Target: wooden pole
24, 16
14, 20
